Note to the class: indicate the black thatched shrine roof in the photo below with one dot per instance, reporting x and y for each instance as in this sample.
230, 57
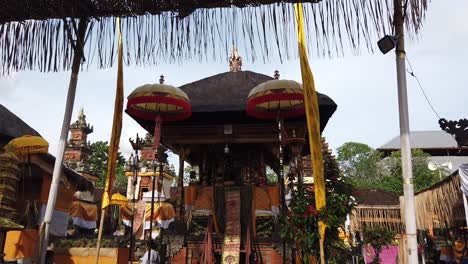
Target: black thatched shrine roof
225, 94
12, 126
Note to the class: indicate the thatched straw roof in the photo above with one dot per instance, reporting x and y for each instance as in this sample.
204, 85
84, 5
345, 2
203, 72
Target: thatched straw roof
175, 31
228, 91
13, 126
440, 205
223, 97
376, 208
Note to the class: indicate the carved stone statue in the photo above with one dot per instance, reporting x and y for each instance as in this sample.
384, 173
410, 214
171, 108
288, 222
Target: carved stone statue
459, 129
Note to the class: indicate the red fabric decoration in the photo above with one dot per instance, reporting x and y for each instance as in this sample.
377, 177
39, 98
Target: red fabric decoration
166, 116
291, 113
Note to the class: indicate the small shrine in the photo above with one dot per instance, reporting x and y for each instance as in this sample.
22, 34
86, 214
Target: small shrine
229, 210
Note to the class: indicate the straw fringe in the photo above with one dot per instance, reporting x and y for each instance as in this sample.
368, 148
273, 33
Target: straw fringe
441, 205
206, 34
372, 217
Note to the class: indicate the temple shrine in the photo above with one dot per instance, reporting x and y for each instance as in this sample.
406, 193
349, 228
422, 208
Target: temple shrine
227, 213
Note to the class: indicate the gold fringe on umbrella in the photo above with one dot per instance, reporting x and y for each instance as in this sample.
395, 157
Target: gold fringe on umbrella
172, 32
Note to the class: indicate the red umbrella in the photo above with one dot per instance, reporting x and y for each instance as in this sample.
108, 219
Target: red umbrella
159, 103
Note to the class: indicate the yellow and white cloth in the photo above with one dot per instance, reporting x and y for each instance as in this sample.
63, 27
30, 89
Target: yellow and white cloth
84, 214
163, 214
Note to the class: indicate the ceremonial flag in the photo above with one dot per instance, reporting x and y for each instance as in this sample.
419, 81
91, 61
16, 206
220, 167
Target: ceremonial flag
313, 123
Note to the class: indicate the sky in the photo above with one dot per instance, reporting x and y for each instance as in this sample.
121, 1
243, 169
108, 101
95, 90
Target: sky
364, 87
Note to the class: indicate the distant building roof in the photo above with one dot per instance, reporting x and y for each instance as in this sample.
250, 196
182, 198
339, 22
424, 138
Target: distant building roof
424, 140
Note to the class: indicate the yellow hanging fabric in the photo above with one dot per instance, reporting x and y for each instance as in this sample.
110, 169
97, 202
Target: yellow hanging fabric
116, 127
313, 123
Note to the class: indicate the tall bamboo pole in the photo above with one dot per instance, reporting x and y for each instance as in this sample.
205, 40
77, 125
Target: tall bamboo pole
410, 214
77, 58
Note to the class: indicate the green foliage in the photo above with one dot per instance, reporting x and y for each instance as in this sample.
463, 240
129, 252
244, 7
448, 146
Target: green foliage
187, 171
271, 175
300, 224
377, 238
98, 163
423, 177
359, 163
367, 169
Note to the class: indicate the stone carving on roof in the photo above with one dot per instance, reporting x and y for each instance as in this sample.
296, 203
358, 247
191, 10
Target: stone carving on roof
458, 129
82, 124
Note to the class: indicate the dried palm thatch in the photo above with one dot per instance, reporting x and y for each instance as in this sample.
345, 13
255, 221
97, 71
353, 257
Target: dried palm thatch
34, 35
377, 216
440, 205
376, 208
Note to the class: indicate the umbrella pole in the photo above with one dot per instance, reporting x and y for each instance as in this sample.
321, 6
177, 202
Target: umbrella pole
77, 58
134, 184
29, 166
156, 142
281, 176
151, 215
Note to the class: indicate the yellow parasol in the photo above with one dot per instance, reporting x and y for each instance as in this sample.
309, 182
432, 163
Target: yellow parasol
274, 97
158, 103
119, 199
27, 145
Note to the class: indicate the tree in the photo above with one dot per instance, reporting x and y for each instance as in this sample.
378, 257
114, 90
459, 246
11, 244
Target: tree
422, 177
187, 171
300, 224
98, 163
359, 163
366, 168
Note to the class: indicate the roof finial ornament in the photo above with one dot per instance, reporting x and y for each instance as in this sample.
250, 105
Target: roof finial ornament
235, 61
81, 123
81, 117
277, 75
161, 79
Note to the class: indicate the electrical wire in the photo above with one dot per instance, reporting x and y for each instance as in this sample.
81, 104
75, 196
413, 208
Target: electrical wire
411, 72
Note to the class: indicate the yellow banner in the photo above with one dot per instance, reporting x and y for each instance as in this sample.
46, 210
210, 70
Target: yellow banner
116, 127
313, 121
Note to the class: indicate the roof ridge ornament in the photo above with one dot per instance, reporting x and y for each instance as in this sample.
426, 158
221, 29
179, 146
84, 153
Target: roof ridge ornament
235, 61
276, 75
81, 123
161, 79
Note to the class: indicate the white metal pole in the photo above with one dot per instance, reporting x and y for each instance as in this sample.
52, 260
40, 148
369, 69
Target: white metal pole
410, 214
77, 57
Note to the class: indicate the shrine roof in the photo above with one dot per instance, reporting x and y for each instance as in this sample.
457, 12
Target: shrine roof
228, 92
373, 197
12, 126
